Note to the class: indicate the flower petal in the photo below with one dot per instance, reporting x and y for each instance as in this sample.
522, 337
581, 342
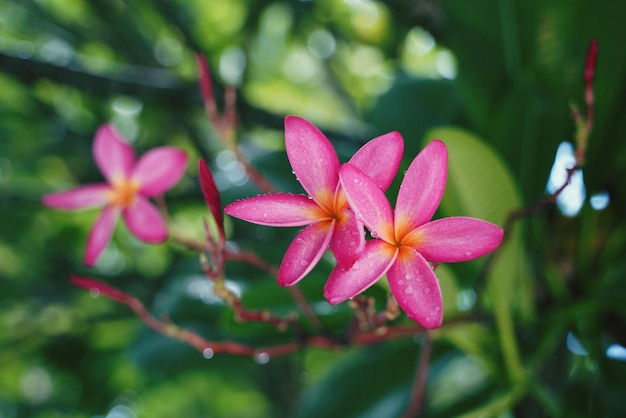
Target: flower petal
422, 188
100, 234
377, 257
144, 221
113, 155
304, 252
159, 169
416, 289
82, 197
278, 209
455, 239
387, 148
367, 201
348, 239
313, 159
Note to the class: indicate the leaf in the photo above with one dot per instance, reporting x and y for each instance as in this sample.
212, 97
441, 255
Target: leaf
366, 380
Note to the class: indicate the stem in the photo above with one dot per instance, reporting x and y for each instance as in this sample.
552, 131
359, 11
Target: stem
421, 377
261, 182
294, 291
209, 347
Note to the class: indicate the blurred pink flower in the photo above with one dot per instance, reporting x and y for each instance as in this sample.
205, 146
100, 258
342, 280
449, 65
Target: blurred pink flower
129, 185
325, 210
405, 240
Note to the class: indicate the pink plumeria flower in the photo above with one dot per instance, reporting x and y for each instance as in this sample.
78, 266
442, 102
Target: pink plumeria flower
324, 212
405, 240
129, 185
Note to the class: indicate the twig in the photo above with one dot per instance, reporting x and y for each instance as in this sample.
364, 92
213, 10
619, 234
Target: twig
209, 347
421, 376
584, 125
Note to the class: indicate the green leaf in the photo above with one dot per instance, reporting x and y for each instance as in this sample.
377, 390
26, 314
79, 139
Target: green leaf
367, 380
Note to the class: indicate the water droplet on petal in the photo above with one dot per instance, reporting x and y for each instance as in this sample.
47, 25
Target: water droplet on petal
408, 290
408, 276
262, 358
304, 263
468, 253
265, 214
427, 290
208, 353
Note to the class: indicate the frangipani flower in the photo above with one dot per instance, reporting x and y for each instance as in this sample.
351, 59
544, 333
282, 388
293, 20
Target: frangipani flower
405, 240
129, 185
325, 210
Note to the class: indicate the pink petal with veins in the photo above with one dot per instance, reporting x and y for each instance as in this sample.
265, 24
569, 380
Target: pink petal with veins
367, 201
82, 197
278, 209
416, 289
348, 240
305, 252
422, 188
114, 156
377, 257
144, 221
100, 234
159, 169
313, 159
451, 240
387, 148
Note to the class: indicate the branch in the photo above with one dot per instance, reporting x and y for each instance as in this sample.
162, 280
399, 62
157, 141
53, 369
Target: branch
208, 348
421, 376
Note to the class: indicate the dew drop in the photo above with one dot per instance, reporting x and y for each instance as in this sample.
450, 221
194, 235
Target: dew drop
208, 353
408, 276
400, 282
265, 214
408, 290
427, 290
468, 253
304, 263
262, 358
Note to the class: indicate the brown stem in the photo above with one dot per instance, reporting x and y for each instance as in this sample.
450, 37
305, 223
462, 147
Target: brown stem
295, 292
252, 259
421, 377
209, 347
261, 182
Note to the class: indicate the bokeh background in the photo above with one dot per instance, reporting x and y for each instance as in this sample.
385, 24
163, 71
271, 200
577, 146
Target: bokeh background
540, 330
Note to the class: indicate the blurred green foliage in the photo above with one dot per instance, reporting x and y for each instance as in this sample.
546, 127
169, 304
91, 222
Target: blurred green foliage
539, 331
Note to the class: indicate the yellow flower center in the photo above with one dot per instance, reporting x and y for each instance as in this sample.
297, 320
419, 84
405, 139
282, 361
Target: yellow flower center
123, 192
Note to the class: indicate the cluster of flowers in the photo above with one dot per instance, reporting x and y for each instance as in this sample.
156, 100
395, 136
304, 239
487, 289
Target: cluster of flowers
341, 200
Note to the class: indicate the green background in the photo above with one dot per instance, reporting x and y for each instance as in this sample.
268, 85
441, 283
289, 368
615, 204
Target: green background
532, 333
